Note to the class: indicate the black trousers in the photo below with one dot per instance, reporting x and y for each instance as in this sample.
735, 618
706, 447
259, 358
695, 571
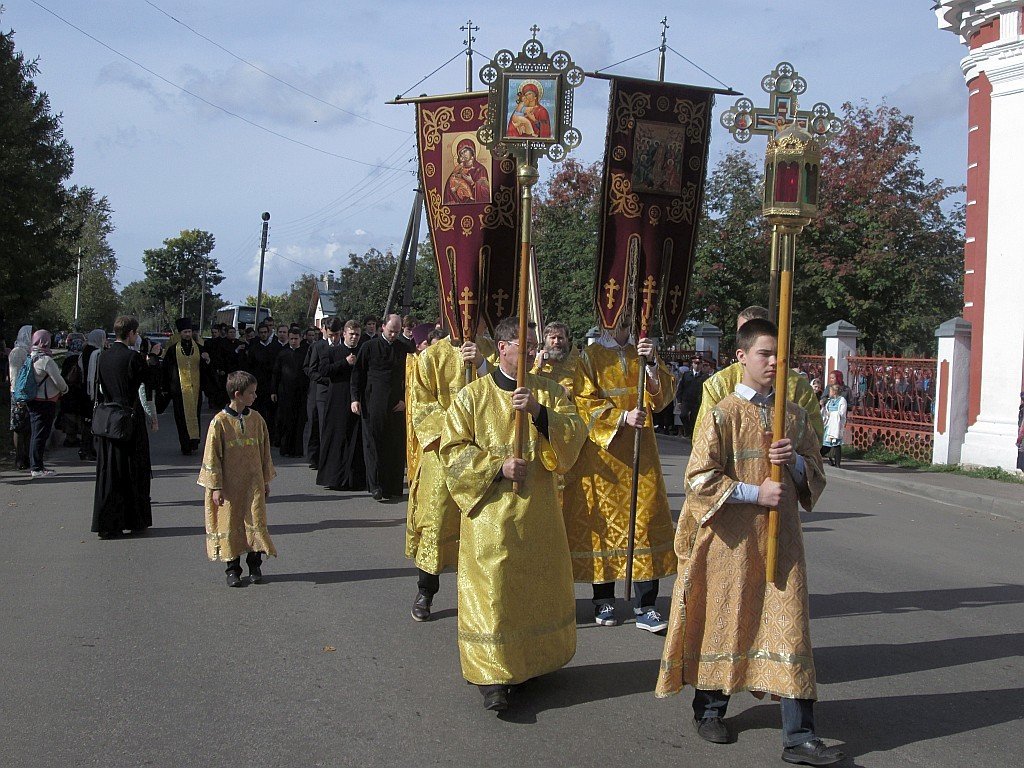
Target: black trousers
644, 594
428, 583
41, 413
252, 560
186, 443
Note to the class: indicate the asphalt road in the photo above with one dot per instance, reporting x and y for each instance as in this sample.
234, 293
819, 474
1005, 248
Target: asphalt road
133, 652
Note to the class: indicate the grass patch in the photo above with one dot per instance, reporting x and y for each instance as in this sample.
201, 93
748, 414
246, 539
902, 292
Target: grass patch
881, 455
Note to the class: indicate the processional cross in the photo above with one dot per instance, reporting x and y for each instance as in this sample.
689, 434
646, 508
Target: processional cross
499, 301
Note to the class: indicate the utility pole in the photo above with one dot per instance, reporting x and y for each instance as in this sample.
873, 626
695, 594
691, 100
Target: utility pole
263, 256
661, 49
202, 298
78, 286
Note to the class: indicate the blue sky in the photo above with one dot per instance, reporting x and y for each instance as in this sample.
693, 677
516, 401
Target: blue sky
168, 161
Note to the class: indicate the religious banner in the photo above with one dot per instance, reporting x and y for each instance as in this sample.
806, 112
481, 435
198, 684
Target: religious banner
470, 197
654, 168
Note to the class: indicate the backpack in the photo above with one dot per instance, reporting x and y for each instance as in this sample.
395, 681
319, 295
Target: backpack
26, 386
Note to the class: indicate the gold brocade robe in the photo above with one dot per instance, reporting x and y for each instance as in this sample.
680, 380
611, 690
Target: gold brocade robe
517, 609
728, 629
237, 463
432, 520
798, 390
597, 489
188, 376
562, 371
413, 449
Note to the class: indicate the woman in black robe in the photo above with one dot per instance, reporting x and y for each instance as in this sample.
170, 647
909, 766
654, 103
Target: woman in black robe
123, 469
288, 391
341, 443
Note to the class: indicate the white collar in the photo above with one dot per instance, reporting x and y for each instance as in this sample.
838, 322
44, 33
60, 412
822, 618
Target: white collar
752, 396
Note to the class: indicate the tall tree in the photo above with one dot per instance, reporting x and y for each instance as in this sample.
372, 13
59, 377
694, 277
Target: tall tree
364, 283
565, 238
98, 298
35, 161
137, 299
178, 272
884, 253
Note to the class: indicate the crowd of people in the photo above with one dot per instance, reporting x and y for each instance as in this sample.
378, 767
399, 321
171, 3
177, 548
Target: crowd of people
373, 405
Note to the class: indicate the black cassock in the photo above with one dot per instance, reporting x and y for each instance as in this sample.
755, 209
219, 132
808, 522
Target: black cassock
378, 383
259, 361
173, 383
121, 500
290, 385
341, 445
316, 399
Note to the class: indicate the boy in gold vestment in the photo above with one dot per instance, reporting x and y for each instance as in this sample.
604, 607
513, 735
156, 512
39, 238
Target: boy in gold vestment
730, 630
236, 473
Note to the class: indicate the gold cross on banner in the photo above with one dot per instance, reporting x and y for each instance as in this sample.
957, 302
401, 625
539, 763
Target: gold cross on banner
466, 301
609, 290
676, 293
499, 301
649, 289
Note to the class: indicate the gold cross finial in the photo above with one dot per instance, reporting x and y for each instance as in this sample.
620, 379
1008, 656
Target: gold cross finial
469, 29
664, 30
535, 29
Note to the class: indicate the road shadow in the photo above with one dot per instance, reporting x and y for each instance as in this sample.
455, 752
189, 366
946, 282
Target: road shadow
821, 517
842, 664
875, 603
325, 525
174, 531
887, 723
572, 686
344, 577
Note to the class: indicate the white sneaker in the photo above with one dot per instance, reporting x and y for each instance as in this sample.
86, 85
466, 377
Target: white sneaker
37, 473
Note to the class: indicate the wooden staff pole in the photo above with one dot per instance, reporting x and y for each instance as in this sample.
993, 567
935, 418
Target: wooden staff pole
528, 175
786, 246
634, 491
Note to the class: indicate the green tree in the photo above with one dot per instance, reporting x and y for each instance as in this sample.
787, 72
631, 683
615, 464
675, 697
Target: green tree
294, 306
884, 254
179, 272
565, 236
363, 284
98, 298
425, 289
36, 231
731, 260
137, 299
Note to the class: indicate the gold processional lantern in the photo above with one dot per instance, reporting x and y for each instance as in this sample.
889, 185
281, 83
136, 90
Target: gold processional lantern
791, 170
791, 173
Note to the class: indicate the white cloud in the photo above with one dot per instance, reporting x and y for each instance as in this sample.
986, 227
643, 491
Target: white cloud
932, 97
360, 232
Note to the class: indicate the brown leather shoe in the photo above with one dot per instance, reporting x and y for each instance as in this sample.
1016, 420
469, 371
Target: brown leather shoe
421, 607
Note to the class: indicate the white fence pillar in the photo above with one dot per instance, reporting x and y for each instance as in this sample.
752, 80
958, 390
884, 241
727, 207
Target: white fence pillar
707, 340
952, 379
840, 342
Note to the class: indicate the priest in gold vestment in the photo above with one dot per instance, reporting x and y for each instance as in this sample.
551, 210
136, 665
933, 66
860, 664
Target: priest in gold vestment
517, 610
432, 521
559, 360
722, 384
597, 489
730, 630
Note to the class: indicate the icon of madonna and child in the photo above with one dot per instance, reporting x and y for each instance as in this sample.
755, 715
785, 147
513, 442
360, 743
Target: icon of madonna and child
529, 112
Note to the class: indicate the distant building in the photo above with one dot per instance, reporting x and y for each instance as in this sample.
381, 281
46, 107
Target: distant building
325, 298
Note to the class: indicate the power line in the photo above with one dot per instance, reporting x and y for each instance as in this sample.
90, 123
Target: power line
196, 96
270, 75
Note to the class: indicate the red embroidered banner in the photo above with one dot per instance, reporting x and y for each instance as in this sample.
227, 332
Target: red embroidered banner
471, 205
654, 168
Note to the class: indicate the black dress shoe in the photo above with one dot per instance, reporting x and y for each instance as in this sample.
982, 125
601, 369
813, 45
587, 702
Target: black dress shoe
495, 697
234, 580
421, 607
377, 495
713, 729
255, 576
812, 752
107, 535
